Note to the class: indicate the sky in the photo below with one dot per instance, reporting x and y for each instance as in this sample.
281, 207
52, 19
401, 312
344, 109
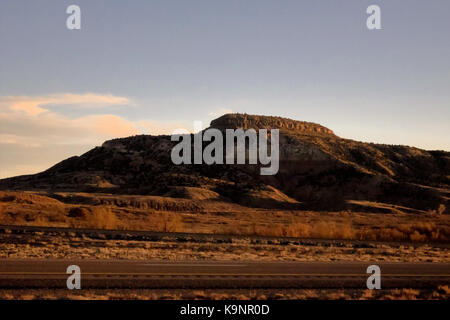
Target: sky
148, 66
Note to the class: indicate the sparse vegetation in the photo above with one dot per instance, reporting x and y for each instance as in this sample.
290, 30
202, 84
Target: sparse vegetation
169, 222
218, 217
93, 217
226, 294
103, 218
414, 232
104, 245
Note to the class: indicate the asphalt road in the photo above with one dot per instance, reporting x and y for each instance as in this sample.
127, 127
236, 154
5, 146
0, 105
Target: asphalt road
205, 274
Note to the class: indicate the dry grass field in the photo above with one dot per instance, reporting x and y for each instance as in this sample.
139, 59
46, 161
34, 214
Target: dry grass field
396, 235
153, 213
85, 245
440, 293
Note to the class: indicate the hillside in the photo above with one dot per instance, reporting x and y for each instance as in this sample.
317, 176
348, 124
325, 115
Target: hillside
318, 170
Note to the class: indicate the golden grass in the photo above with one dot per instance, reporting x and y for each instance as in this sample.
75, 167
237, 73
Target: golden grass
224, 294
71, 245
21, 208
99, 218
346, 230
169, 222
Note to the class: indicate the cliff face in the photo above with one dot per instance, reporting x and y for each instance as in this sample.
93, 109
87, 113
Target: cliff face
317, 168
244, 121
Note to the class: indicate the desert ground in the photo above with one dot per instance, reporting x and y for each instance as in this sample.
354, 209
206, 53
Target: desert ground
440, 293
201, 214
45, 225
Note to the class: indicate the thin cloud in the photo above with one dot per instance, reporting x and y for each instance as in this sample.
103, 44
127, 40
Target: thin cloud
26, 120
35, 105
36, 136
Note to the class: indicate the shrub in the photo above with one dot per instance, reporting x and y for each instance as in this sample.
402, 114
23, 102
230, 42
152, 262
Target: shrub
102, 218
78, 212
169, 222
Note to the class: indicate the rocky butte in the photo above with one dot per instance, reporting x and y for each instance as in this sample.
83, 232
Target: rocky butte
317, 170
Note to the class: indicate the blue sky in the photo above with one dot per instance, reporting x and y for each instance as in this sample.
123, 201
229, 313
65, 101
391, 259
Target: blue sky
150, 66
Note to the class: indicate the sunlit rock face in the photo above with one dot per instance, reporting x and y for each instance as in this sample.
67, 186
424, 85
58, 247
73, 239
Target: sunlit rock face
245, 121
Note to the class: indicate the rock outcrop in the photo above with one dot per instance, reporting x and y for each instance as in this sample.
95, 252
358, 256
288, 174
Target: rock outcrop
317, 168
245, 121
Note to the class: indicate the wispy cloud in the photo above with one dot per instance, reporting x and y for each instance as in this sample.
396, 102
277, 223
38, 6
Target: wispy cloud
34, 137
35, 105
35, 133
26, 119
